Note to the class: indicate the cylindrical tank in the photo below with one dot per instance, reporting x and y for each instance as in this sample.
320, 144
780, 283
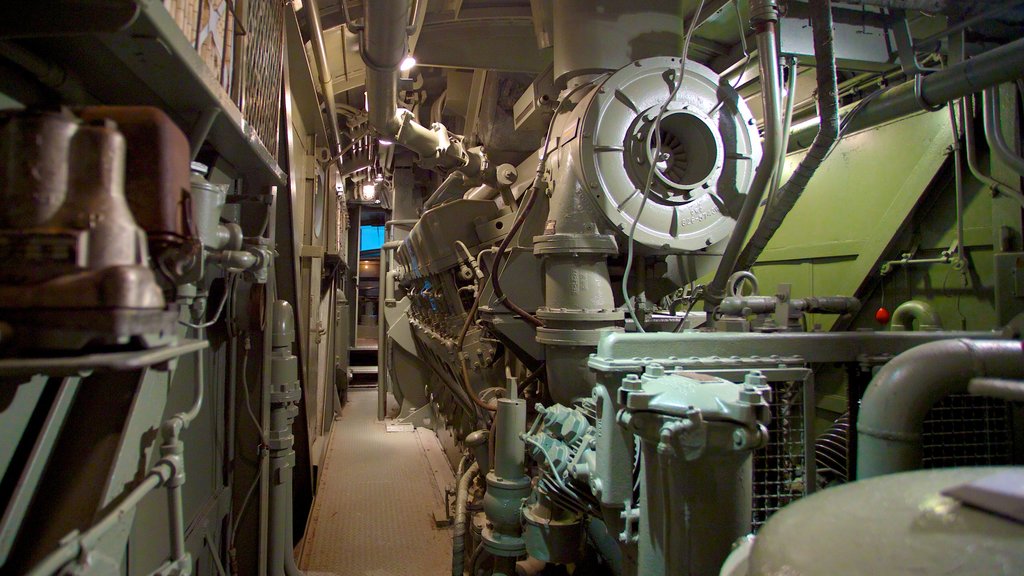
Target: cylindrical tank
893, 524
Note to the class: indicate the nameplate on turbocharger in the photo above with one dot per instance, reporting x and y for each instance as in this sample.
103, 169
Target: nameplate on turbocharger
68, 248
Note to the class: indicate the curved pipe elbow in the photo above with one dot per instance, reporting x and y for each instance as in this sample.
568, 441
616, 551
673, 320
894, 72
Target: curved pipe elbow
927, 318
899, 397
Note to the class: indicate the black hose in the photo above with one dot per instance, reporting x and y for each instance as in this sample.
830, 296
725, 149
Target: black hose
828, 134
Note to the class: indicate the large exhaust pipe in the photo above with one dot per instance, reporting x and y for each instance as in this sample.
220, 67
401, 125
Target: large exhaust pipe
383, 46
828, 134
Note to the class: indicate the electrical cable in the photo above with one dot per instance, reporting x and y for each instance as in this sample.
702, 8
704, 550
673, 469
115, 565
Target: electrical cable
245, 502
656, 130
229, 286
495, 266
248, 402
524, 210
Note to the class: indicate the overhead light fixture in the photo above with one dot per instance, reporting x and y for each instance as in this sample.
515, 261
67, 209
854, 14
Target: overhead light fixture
407, 64
379, 178
384, 142
369, 192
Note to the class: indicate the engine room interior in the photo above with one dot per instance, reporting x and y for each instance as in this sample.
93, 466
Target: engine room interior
511, 288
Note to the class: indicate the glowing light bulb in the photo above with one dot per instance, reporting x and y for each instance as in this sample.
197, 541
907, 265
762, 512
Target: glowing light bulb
407, 64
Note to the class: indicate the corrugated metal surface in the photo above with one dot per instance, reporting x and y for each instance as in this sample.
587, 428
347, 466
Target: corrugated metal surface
374, 508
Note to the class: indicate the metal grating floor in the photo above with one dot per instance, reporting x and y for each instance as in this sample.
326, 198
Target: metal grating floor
375, 505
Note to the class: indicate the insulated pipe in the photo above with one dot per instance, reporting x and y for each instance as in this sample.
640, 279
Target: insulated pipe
765, 17
316, 38
999, 65
905, 314
828, 132
904, 390
994, 133
459, 538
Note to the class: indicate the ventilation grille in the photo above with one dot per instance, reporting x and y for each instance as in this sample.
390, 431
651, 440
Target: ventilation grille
262, 87
779, 466
966, 430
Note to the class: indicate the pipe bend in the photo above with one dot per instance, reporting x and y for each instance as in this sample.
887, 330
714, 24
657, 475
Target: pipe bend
901, 394
905, 314
994, 134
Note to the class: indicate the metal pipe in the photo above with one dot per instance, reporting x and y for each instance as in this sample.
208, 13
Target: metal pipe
764, 15
904, 390
787, 124
290, 567
999, 65
454, 186
383, 44
188, 416
958, 187
316, 38
382, 333
72, 548
1009, 390
994, 133
905, 314
965, 24
509, 447
824, 140
459, 538
176, 517
285, 393
967, 111
931, 6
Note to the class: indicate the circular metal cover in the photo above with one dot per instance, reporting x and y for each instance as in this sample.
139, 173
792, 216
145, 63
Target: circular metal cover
708, 127
893, 524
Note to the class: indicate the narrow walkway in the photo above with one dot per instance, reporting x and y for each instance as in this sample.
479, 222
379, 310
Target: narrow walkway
379, 493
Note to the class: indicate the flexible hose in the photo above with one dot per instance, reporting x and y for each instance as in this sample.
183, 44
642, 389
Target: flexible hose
831, 450
459, 539
828, 134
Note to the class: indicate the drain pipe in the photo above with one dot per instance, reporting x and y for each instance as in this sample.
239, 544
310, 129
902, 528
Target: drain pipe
904, 390
316, 38
764, 16
994, 133
285, 394
828, 133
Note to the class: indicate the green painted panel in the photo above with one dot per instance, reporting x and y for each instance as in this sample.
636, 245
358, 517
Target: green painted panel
855, 205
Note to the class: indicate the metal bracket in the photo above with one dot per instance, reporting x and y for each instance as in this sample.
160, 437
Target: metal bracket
905, 46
